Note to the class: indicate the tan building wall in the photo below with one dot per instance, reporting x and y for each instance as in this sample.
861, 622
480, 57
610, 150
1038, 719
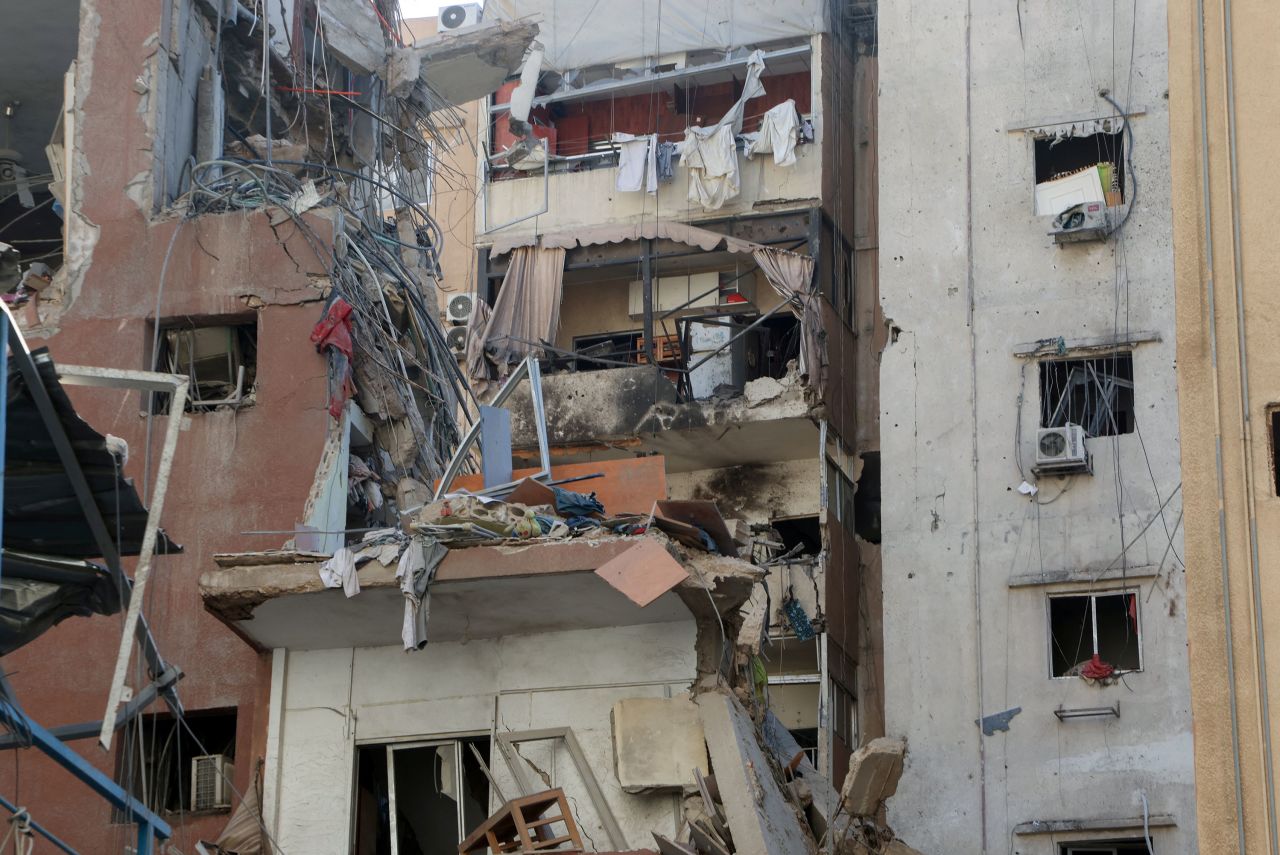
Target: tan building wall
1226, 283
454, 187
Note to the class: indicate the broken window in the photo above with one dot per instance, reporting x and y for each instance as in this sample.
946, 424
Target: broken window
841, 499
1106, 847
802, 534
1071, 170
420, 798
1082, 626
1096, 394
1273, 417
795, 686
173, 766
220, 360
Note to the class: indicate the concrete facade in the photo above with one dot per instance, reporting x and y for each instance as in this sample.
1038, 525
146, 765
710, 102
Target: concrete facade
1223, 76
968, 274
331, 701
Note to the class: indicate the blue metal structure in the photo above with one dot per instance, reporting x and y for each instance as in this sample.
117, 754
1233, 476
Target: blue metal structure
37, 827
25, 731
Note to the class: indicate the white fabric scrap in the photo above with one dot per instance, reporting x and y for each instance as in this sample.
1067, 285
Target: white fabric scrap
777, 134
413, 631
340, 572
712, 161
1028, 489
711, 154
637, 163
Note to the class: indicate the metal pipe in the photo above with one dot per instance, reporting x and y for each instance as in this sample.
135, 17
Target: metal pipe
35, 826
546, 194
1255, 591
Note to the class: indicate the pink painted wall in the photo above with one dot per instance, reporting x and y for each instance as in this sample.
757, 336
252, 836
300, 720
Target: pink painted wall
234, 471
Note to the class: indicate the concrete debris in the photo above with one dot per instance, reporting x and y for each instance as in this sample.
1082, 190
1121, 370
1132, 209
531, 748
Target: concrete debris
354, 33
874, 770
761, 817
457, 67
657, 743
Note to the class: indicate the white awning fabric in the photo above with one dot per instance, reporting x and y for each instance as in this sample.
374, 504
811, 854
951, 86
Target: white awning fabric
581, 33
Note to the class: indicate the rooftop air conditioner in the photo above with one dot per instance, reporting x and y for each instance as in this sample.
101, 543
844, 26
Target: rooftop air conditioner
1062, 450
457, 337
1086, 221
211, 782
458, 16
461, 307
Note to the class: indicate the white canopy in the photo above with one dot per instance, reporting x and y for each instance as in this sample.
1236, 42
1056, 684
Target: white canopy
580, 33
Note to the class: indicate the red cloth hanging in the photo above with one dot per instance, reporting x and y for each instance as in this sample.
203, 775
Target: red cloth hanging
1096, 669
334, 331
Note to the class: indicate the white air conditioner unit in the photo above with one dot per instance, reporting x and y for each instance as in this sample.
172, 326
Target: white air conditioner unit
1086, 221
461, 307
457, 338
211, 782
458, 16
1062, 450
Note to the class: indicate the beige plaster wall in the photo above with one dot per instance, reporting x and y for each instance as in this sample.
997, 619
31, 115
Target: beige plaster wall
1212, 408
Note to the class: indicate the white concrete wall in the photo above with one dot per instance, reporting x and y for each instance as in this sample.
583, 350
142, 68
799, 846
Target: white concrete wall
336, 699
959, 239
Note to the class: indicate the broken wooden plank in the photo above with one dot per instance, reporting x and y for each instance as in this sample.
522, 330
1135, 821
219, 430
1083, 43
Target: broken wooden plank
704, 515
714, 809
667, 846
706, 839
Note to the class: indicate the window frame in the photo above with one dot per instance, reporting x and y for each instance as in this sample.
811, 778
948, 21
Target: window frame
1044, 416
1093, 616
402, 743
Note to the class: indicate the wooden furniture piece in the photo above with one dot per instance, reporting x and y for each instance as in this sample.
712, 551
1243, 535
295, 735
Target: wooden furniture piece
525, 825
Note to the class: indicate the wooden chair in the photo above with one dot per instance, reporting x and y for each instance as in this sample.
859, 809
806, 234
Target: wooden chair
524, 826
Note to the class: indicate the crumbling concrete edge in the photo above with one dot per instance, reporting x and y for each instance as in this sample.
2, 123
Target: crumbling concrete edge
81, 233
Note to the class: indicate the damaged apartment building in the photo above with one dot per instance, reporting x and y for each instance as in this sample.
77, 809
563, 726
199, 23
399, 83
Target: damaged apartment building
646, 543
1033, 561
572, 539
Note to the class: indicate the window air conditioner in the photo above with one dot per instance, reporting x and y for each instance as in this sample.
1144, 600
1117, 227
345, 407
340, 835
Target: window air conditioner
1086, 221
211, 782
1062, 450
459, 16
461, 307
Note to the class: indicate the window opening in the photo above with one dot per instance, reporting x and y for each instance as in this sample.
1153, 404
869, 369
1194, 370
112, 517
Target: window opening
1084, 626
162, 765
795, 686
1064, 157
802, 532
419, 798
1096, 394
220, 360
1274, 419
1105, 847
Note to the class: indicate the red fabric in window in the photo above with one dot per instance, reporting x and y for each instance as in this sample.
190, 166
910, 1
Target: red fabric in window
1096, 669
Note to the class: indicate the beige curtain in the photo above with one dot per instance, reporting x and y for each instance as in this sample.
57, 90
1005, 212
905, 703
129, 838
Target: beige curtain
791, 275
527, 308
243, 832
474, 363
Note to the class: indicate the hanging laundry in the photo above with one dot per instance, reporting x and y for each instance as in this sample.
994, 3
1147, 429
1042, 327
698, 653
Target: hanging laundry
340, 572
712, 161
416, 571
666, 161
777, 134
711, 154
637, 163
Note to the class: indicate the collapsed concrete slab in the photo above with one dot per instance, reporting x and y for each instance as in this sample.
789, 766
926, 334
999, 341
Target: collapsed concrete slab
761, 818
874, 770
657, 743
457, 67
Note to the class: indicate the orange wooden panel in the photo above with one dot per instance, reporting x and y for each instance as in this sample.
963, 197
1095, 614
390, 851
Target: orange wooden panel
629, 485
